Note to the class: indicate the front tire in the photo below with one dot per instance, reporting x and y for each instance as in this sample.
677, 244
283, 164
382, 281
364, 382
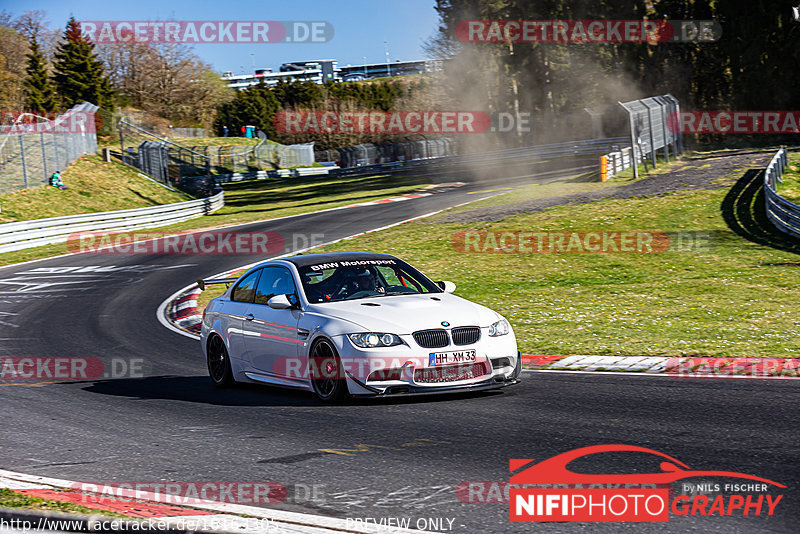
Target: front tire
219, 363
327, 375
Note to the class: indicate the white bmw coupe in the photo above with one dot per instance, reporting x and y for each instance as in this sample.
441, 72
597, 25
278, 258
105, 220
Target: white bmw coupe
354, 324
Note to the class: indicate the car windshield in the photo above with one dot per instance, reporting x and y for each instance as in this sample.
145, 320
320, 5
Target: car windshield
357, 279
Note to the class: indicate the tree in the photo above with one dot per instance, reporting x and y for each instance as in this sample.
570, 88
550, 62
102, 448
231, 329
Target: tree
79, 74
255, 106
13, 48
10, 94
165, 79
40, 95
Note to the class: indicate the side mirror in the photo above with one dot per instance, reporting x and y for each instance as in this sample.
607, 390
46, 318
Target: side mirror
279, 302
446, 286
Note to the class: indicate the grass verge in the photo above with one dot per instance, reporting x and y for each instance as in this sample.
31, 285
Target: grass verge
93, 186
112, 141
734, 298
12, 499
790, 188
258, 200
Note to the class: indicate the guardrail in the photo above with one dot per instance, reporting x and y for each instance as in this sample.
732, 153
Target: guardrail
783, 214
615, 162
430, 166
27, 234
261, 175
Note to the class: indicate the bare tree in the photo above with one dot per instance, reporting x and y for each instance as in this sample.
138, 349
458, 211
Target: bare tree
32, 24
165, 79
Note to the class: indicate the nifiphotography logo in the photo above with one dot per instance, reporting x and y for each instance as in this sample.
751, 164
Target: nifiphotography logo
549, 491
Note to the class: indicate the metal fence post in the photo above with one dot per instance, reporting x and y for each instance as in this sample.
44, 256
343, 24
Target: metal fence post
664, 108
22, 155
44, 154
634, 163
55, 148
652, 138
678, 137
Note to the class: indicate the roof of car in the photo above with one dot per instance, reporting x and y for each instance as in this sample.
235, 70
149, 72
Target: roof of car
315, 259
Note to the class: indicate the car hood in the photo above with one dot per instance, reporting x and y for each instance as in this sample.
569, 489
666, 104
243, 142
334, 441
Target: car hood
403, 314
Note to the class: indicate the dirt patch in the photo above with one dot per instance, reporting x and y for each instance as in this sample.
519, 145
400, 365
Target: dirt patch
698, 172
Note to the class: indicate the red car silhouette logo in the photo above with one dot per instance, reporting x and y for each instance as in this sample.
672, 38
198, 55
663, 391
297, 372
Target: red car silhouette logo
554, 470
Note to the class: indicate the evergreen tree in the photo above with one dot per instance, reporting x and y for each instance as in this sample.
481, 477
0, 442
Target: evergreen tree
40, 95
79, 73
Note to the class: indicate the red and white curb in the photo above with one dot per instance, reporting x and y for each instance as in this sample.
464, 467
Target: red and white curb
202, 515
426, 192
678, 367
179, 312
182, 311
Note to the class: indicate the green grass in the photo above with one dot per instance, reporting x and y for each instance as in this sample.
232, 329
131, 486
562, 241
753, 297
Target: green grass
255, 200
12, 499
737, 298
250, 201
661, 167
112, 141
94, 186
212, 292
790, 188
218, 141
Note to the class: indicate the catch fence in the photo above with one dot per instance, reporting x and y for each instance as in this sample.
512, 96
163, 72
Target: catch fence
170, 162
649, 128
371, 154
33, 147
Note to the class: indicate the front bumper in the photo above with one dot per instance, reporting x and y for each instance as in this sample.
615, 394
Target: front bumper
498, 378
409, 390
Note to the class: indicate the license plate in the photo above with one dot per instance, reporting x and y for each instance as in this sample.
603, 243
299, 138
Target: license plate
446, 358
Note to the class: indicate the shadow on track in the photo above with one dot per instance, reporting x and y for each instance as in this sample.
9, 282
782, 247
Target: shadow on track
199, 389
744, 212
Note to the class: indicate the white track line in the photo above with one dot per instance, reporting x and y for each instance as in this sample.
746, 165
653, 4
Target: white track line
289, 522
668, 375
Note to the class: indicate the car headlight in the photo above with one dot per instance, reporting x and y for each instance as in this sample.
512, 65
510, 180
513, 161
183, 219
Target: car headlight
500, 328
373, 339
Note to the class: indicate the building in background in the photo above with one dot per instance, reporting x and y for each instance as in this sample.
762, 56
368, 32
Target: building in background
324, 70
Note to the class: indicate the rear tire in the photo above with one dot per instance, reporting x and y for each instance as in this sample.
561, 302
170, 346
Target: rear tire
219, 363
327, 375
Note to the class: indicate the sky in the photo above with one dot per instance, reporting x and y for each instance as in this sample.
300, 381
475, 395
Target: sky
360, 26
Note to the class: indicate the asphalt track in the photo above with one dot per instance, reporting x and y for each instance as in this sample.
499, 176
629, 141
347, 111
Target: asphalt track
401, 458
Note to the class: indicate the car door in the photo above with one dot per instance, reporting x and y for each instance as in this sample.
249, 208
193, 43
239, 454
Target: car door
272, 340
235, 309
